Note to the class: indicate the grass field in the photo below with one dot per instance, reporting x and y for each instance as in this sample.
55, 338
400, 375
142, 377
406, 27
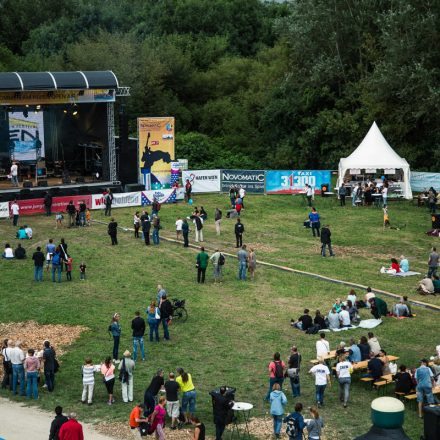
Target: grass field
233, 328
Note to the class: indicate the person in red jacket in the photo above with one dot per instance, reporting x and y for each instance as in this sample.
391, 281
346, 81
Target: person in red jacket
71, 430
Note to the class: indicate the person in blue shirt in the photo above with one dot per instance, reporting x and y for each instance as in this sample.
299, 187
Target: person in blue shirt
115, 330
21, 234
404, 264
425, 383
297, 420
278, 401
315, 222
355, 352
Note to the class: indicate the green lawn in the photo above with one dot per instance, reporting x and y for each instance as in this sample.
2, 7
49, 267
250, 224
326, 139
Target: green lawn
233, 328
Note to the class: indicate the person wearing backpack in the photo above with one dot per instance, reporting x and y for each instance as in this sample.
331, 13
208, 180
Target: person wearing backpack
218, 260
278, 401
315, 425
295, 423
56, 264
276, 373
126, 368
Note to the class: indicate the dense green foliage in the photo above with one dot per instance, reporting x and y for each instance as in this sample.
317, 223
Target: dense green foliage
269, 84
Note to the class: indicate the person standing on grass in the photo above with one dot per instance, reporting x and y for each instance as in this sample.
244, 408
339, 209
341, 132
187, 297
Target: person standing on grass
199, 429
166, 314
157, 418
113, 231
49, 366
179, 223
232, 195
71, 210
433, 263
198, 222
217, 220
71, 430
69, 264
56, 424
314, 221
48, 204
344, 369
15, 212
152, 391
7, 365
38, 258
127, 365
278, 401
221, 405
293, 370
189, 394
252, 260
155, 207
342, 193
185, 232
326, 241
242, 257
108, 373
17, 358
57, 263
425, 384
108, 200
14, 174
201, 265
172, 395
322, 379
146, 227
32, 367
82, 213
160, 293
138, 327
115, 330
315, 425
156, 228
88, 375
215, 259
50, 250
136, 224
309, 194
188, 190
295, 423
239, 230
82, 271
153, 314
276, 373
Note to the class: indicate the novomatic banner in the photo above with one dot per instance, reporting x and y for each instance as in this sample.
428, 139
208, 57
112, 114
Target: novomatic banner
421, 181
202, 181
294, 181
120, 200
156, 148
251, 180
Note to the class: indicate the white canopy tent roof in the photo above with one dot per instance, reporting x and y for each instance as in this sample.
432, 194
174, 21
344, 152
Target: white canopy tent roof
374, 152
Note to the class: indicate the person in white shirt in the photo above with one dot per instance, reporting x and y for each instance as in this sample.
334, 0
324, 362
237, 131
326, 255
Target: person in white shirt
28, 231
8, 253
179, 223
344, 317
385, 194
352, 297
322, 347
17, 358
322, 378
344, 369
309, 194
88, 375
15, 211
14, 174
242, 193
374, 344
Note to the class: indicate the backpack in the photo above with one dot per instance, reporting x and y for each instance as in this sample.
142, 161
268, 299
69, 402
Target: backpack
292, 427
145, 429
123, 373
221, 260
56, 259
278, 369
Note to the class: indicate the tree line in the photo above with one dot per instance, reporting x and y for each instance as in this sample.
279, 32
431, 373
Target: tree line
252, 83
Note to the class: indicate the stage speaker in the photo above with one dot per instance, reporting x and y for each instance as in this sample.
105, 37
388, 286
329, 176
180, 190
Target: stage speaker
80, 180
27, 184
66, 181
435, 219
431, 422
132, 187
42, 183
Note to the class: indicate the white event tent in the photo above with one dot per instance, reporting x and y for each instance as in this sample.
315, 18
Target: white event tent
374, 153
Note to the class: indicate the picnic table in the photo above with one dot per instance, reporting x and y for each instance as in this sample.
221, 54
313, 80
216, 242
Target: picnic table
330, 355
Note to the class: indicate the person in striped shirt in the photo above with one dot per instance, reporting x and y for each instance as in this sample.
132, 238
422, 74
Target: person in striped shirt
88, 374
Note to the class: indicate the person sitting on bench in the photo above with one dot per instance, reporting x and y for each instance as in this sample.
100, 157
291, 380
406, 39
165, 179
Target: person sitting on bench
404, 382
375, 368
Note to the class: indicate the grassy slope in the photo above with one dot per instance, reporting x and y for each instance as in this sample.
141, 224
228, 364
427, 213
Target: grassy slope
233, 328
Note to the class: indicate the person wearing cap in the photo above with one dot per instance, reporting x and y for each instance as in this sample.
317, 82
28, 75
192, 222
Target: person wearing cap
127, 364
221, 405
425, 384
71, 430
136, 418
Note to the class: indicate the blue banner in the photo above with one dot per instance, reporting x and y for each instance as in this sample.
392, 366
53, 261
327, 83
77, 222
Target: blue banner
294, 181
421, 181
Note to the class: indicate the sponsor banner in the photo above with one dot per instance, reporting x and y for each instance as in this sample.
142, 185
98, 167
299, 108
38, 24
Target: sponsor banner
251, 180
161, 195
59, 204
4, 210
120, 200
294, 181
155, 148
421, 181
202, 181
180, 193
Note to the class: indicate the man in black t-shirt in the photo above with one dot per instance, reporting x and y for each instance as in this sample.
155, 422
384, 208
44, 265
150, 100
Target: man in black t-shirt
113, 231
304, 322
293, 371
172, 396
221, 405
152, 391
375, 368
38, 258
20, 252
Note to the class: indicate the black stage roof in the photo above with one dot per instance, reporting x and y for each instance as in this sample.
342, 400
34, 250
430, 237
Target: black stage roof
20, 81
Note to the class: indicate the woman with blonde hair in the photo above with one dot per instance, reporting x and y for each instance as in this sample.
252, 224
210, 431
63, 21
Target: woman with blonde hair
252, 259
153, 315
115, 330
157, 418
315, 425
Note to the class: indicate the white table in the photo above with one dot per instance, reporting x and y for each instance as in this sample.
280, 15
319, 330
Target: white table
242, 410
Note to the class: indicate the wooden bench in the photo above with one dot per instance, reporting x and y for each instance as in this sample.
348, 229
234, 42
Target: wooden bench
399, 395
411, 398
367, 380
381, 385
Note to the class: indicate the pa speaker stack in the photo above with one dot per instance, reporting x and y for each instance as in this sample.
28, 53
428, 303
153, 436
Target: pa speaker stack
432, 422
27, 184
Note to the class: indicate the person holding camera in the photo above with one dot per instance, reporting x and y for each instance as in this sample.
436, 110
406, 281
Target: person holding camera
221, 405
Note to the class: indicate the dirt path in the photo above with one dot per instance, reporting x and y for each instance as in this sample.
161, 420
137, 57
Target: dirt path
18, 422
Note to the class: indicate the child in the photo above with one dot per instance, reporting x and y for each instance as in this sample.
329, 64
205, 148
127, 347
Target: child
69, 269
88, 217
59, 220
386, 218
82, 271
88, 374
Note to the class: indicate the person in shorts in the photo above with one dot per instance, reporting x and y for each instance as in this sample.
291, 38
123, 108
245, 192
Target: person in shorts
173, 406
425, 383
50, 250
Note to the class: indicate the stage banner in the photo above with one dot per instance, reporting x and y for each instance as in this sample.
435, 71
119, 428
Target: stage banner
202, 181
161, 195
180, 193
120, 200
4, 210
155, 149
294, 181
421, 181
251, 180
59, 204
26, 134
